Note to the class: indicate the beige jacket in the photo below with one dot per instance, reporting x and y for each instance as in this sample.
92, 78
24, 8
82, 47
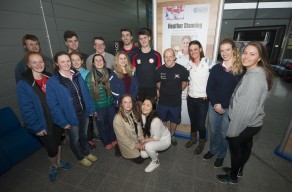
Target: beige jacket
125, 137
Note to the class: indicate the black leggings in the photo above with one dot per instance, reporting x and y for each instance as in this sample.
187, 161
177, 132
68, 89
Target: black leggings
53, 141
240, 149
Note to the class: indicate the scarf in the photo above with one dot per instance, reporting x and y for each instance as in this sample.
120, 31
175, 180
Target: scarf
134, 125
100, 78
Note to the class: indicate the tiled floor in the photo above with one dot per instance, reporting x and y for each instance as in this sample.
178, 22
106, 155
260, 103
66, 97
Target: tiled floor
180, 170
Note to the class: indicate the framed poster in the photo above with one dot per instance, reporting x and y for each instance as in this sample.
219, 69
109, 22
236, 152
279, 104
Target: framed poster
178, 23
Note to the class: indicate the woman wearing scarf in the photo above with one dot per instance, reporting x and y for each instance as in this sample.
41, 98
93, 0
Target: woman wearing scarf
127, 126
97, 82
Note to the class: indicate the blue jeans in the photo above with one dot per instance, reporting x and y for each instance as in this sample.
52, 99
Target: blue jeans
198, 109
219, 125
104, 122
78, 136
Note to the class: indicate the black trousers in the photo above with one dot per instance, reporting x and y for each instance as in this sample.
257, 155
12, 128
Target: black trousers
198, 109
52, 141
240, 149
90, 132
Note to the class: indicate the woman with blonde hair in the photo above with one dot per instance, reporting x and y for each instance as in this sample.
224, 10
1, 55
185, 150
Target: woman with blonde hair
221, 83
182, 57
246, 109
123, 79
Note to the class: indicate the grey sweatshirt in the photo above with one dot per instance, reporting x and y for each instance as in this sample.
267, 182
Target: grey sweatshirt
247, 102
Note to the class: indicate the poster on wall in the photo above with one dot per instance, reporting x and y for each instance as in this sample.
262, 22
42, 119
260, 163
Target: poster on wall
182, 24
178, 23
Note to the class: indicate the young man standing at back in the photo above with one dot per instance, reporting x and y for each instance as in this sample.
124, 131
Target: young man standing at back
31, 43
146, 61
128, 46
71, 41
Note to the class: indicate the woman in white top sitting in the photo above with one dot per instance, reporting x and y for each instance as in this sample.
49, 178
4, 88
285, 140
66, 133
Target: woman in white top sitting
157, 136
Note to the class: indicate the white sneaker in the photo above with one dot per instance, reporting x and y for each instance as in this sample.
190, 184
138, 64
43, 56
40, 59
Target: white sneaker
144, 155
153, 165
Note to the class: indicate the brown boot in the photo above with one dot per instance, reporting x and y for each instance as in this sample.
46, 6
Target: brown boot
192, 141
200, 147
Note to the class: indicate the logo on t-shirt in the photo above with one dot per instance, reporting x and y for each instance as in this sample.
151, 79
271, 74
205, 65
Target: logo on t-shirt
138, 61
151, 60
163, 75
176, 76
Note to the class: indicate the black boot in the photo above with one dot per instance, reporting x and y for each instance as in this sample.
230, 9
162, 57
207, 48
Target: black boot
117, 151
192, 141
200, 147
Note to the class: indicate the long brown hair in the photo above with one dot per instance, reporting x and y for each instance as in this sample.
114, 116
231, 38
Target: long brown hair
236, 63
134, 109
263, 62
99, 78
195, 42
118, 68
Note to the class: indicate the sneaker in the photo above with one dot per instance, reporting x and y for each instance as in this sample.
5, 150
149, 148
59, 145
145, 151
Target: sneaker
227, 170
153, 165
218, 162
173, 140
85, 162
91, 157
64, 165
226, 179
208, 155
109, 146
53, 173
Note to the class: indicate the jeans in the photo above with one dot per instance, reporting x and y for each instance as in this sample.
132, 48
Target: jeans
78, 136
219, 125
198, 109
104, 122
240, 149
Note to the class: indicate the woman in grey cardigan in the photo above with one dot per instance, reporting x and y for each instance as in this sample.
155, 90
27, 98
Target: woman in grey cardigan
246, 110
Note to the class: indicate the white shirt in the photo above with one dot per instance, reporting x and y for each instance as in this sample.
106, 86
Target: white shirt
157, 129
198, 76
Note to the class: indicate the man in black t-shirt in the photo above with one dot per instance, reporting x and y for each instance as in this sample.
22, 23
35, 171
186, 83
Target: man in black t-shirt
171, 79
145, 61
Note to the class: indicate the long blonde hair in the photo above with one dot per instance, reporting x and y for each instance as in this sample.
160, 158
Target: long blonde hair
118, 68
237, 67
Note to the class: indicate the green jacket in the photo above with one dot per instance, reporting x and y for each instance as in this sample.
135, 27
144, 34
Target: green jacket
104, 101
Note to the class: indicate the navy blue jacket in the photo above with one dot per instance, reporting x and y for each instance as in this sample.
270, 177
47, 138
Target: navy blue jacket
30, 107
220, 85
118, 87
60, 102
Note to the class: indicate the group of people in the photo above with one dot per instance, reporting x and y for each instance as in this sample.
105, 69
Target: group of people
136, 101
232, 93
